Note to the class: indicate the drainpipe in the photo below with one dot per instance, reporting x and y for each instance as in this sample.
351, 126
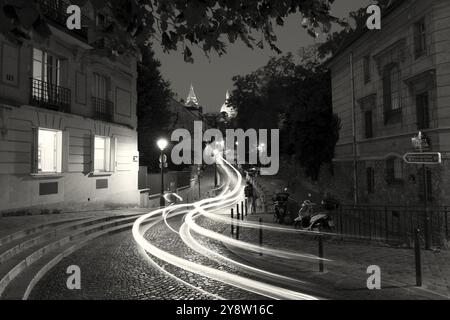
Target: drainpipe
355, 163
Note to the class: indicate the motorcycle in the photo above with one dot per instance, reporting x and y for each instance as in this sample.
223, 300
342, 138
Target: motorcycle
312, 218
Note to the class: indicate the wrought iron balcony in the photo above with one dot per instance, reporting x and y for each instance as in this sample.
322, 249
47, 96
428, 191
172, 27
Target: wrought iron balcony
56, 12
103, 109
49, 96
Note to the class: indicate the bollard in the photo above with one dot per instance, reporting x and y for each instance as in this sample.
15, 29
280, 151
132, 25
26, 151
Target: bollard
242, 210
246, 207
321, 267
260, 235
232, 223
418, 259
237, 227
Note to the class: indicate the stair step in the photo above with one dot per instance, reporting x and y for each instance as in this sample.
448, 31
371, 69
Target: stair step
14, 247
35, 229
14, 266
21, 287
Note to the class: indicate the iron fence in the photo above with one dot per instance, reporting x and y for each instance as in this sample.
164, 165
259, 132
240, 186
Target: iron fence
103, 109
393, 224
49, 96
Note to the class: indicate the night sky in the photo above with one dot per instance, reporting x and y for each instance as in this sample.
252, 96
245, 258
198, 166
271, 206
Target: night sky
211, 78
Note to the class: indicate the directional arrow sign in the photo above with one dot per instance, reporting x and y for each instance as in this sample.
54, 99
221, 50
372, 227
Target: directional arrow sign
423, 158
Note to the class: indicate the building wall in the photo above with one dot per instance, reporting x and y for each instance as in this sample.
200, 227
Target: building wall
395, 43
76, 186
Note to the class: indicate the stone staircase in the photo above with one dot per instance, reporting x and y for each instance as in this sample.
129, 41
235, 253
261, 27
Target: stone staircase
27, 255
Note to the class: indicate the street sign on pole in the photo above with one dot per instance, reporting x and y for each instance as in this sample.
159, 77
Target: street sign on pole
423, 158
163, 159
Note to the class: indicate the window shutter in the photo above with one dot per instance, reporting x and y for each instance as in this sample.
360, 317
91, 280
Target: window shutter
65, 150
92, 168
34, 149
113, 165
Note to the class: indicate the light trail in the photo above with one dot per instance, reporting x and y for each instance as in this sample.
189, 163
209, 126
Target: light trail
225, 198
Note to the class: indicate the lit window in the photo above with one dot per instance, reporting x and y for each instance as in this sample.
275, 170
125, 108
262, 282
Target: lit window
49, 151
102, 151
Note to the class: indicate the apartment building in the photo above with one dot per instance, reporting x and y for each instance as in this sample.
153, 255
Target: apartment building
401, 85
68, 137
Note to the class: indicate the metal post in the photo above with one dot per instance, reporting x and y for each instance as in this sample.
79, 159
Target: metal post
246, 207
418, 259
386, 224
242, 210
232, 223
354, 133
446, 222
215, 174
260, 235
162, 201
237, 224
321, 254
199, 189
426, 214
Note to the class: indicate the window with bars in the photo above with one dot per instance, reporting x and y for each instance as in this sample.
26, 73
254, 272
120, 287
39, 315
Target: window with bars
420, 38
423, 111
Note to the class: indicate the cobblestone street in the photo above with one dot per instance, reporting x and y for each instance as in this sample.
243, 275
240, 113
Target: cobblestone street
114, 268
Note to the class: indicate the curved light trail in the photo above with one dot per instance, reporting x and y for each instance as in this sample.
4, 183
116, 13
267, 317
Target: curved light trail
232, 193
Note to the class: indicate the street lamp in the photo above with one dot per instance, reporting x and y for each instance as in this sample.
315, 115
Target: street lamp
216, 153
162, 145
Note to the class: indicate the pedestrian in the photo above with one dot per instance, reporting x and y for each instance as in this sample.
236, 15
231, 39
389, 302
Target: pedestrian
249, 195
259, 204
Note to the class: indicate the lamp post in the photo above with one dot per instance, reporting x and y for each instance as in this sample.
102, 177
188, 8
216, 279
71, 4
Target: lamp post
162, 145
216, 152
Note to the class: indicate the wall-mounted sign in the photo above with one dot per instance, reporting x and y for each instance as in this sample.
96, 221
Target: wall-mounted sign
423, 158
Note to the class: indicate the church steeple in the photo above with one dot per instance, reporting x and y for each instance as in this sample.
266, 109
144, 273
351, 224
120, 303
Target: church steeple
191, 100
226, 108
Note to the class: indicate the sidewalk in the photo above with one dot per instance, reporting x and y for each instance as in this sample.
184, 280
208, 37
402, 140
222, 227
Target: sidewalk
345, 277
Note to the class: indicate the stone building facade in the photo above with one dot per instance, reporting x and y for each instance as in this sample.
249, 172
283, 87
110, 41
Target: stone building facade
401, 86
68, 137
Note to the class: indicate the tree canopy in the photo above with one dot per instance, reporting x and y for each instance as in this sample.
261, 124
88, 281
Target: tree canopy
153, 114
296, 98
207, 24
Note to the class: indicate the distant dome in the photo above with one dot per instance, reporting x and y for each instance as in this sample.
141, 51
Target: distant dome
226, 108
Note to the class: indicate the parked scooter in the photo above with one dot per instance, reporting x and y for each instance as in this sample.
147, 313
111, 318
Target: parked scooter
312, 217
280, 202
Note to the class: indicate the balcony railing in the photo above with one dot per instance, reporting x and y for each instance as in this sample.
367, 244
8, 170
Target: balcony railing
103, 109
49, 96
56, 11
